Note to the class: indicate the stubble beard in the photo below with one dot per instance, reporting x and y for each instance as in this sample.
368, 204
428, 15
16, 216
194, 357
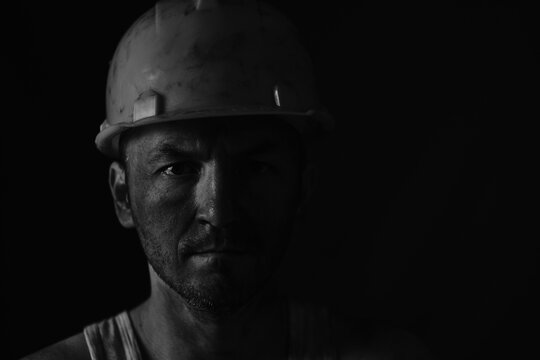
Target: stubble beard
217, 297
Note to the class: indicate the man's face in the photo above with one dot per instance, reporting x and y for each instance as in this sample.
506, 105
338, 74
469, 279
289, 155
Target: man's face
214, 202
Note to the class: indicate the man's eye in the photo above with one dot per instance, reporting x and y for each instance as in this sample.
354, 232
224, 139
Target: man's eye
184, 168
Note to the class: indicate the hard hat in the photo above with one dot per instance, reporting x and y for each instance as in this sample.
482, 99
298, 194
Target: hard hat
186, 59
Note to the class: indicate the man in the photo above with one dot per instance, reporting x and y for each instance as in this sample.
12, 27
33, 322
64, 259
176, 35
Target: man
212, 122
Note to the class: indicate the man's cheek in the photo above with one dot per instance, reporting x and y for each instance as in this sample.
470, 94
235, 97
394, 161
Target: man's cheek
169, 222
162, 218
165, 200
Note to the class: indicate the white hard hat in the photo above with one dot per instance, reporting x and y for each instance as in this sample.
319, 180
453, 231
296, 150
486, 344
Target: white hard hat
199, 59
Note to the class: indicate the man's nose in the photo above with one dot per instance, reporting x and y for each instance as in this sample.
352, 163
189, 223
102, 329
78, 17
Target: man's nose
215, 195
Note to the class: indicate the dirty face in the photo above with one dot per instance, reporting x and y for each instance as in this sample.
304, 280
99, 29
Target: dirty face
214, 202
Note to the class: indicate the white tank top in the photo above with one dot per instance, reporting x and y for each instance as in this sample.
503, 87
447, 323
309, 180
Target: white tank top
310, 336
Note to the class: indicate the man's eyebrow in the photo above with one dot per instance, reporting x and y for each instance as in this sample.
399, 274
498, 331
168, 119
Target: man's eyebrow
167, 150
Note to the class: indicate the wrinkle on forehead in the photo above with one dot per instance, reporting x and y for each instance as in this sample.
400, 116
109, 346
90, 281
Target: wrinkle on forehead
208, 135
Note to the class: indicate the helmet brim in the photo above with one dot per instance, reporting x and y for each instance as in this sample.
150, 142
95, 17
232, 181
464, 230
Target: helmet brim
108, 139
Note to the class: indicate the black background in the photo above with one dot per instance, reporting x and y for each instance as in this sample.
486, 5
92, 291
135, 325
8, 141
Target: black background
424, 214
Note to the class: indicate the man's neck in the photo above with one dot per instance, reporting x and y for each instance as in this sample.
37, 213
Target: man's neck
169, 329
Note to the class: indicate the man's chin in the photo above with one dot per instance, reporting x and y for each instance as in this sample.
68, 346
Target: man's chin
216, 287
217, 295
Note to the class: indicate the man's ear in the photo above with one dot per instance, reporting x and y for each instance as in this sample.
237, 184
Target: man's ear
119, 190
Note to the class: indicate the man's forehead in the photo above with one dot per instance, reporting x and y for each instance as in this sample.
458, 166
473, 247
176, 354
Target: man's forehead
236, 134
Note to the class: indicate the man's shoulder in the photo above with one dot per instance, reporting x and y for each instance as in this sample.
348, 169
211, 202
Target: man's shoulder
72, 348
